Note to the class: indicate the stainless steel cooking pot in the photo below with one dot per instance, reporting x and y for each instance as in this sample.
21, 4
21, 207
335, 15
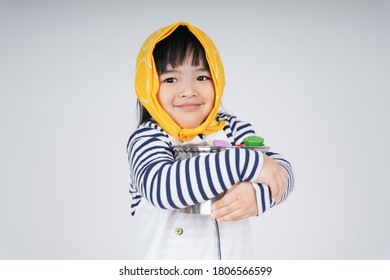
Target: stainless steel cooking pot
188, 151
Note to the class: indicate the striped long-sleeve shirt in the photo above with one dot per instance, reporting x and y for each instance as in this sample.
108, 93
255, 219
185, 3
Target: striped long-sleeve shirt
170, 184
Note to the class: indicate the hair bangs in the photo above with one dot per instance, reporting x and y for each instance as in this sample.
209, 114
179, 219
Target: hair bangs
175, 49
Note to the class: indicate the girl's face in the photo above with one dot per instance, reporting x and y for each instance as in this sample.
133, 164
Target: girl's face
186, 93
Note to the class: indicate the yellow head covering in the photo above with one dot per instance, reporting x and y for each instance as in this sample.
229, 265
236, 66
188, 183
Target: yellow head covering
147, 83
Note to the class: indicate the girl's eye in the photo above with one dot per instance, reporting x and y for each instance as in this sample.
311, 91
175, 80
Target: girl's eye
203, 78
169, 80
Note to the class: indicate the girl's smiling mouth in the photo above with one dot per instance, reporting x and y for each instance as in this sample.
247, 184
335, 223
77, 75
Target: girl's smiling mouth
188, 106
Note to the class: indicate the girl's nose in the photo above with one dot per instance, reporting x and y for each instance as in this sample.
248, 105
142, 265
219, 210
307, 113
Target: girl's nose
189, 91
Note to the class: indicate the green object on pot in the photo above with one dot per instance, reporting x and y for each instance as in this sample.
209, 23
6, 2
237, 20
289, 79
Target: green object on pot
253, 141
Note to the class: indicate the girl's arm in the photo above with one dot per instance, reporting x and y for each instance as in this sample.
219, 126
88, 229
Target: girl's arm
170, 184
248, 199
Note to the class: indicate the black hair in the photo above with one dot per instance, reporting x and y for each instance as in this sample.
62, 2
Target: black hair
174, 50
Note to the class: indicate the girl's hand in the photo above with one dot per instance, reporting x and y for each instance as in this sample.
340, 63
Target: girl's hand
239, 202
275, 176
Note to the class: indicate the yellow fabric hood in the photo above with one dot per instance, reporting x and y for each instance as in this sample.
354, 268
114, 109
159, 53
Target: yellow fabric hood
147, 83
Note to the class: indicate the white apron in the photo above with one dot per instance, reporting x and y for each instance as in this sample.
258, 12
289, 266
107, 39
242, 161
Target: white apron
167, 234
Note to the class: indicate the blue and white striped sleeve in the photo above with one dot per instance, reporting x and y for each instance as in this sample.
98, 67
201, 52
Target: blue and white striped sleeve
170, 184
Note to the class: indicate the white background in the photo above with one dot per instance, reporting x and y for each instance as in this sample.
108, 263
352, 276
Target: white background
311, 76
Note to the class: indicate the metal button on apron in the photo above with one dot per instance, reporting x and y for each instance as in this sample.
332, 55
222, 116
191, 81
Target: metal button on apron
179, 231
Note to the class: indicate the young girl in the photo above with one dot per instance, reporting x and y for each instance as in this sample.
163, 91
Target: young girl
179, 83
